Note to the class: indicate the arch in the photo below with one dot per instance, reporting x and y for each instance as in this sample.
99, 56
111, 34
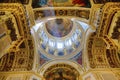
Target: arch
73, 64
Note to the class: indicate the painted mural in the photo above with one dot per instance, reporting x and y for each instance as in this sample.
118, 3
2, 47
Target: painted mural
78, 58
42, 59
61, 74
60, 3
59, 27
64, 72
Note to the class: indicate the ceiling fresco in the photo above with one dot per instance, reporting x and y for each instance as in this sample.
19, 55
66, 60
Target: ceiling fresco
42, 59
78, 58
60, 3
59, 27
61, 72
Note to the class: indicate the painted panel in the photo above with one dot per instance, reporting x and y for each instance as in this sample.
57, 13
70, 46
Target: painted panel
61, 72
61, 3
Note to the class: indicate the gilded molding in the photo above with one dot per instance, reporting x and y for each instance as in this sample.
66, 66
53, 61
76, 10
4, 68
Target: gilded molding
48, 12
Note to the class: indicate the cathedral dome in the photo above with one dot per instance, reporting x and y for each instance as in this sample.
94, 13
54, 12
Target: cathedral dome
60, 38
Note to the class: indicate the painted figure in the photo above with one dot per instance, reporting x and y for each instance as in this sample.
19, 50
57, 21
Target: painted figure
78, 2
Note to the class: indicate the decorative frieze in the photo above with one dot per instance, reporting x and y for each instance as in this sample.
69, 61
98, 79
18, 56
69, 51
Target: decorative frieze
40, 13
